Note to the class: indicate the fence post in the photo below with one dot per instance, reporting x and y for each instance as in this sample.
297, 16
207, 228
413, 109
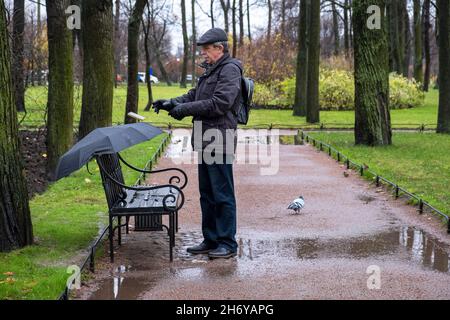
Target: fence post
420, 206
348, 163
361, 170
339, 156
92, 261
378, 180
396, 191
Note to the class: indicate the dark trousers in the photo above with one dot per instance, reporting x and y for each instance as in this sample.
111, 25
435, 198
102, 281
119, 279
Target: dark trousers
218, 204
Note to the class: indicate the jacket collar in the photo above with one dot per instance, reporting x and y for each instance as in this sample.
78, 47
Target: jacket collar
224, 59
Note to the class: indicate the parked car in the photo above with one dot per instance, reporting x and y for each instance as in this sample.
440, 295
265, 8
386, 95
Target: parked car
141, 78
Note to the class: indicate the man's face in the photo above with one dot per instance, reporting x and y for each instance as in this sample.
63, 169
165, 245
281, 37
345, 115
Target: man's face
210, 53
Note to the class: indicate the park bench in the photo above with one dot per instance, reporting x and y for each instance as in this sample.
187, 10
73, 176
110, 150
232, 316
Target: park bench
145, 201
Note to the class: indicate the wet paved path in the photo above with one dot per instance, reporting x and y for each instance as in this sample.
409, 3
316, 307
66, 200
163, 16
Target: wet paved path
347, 229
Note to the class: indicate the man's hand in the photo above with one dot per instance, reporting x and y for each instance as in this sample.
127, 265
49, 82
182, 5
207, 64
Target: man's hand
163, 104
179, 112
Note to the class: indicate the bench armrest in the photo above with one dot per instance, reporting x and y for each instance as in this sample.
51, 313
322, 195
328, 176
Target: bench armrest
177, 178
143, 188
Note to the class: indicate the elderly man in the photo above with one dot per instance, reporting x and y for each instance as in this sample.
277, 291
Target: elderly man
213, 104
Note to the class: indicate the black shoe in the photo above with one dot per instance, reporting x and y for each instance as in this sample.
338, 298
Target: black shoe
200, 249
221, 253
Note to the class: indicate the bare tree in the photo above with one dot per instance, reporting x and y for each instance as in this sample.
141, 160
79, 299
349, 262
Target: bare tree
241, 24
185, 45
133, 59
60, 84
18, 71
98, 65
16, 230
426, 43
443, 8
233, 22
117, 43
194, 44
226, 8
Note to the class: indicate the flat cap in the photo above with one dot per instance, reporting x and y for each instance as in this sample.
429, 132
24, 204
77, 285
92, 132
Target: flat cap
211, 36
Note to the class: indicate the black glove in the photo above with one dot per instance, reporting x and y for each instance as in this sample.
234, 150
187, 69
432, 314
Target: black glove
178, 112
164, 104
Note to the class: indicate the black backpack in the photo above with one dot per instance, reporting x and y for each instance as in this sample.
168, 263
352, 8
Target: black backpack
243, 109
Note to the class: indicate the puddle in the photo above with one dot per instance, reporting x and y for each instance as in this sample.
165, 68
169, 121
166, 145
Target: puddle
120, 287
405, 243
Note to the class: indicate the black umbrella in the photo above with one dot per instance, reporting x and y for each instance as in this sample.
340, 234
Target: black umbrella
104, 141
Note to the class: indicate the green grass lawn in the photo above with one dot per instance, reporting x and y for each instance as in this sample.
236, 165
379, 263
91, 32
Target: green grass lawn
420, 163
66, 218
36, 98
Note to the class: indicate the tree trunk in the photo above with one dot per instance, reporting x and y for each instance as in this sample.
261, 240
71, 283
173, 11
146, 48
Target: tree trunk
194, 45
405, 39
161, 67
235, 40
346, 29
426, 43
117, 46
211, 10
241, 24
283, 18
312, 105
408, 42
443, 125
269, 22
225, 7
18, 72
372, 117
133, 60
98, 65
418, 52
185, 45
39, 34
335, 29
248, 22
301, 81
60, 84
394, 35
16, 230
148, 64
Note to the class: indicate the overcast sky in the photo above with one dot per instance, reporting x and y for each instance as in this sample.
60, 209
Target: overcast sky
258, 19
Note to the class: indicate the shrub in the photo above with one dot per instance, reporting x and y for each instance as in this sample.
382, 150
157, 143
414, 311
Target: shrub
337, 91
404, 93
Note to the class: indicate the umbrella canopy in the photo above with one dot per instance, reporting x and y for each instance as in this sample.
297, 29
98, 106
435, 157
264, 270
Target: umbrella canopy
104, 141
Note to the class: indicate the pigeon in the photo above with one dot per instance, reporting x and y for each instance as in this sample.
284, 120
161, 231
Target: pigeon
297, 205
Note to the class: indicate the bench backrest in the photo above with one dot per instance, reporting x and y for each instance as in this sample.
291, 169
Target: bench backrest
111, 164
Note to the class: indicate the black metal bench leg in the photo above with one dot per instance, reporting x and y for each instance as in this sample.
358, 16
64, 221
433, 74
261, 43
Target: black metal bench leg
119, 230
111, 238
171, 234
128, 225
176, 221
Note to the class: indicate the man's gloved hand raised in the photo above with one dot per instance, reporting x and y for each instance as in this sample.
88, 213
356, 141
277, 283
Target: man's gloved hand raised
163, 104
179, 112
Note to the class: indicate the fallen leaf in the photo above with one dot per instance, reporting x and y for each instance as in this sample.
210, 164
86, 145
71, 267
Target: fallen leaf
9, 273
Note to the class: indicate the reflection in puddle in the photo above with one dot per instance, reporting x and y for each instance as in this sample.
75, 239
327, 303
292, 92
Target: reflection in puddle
120, 287
404, 243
